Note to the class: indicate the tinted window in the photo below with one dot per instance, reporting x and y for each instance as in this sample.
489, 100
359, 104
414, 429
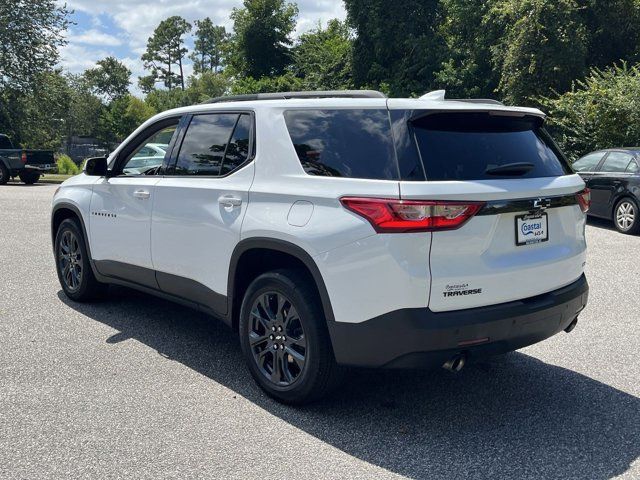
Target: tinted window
408, 160
473, 146
616, 162
343, 143
633, 167
588, 163
205, 144
238, 148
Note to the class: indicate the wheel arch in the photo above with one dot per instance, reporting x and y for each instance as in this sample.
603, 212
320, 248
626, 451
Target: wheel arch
62, 212
254, 256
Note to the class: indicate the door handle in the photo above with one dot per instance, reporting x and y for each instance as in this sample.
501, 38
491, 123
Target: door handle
230, 201
142, 194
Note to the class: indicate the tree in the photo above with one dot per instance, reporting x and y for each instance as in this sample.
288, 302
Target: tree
602, 111
613, 28
262, 40
110, 79
544, 48
165, 49
323, 57
466, 69
209, 46
31, 31
206, 86
40, 115
123, 116
396, 44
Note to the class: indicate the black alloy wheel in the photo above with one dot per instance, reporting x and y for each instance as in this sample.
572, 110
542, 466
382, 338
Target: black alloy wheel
284, 337
73, 264
277, 339
70, 261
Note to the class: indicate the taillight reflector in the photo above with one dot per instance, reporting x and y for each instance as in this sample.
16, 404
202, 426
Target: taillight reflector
399, 216
23, 157
584, 199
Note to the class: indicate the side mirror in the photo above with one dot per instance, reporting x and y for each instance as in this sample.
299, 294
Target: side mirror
96, 167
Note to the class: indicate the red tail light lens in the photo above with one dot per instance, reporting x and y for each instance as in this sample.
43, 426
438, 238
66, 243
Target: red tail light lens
23, 157
400, 216
584, 199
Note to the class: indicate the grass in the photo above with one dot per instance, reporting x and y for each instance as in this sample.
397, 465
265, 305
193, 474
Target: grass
53, 178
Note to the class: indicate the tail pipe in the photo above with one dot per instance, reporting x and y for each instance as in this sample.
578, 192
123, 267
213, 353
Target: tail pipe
455, 363
572, 326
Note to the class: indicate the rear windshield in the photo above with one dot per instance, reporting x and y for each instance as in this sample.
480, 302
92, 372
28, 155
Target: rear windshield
480, 146
344, 143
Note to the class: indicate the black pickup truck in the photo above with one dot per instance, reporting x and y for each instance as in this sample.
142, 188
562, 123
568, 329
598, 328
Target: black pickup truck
26, 164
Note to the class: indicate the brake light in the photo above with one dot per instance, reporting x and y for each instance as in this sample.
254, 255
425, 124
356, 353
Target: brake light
401, 216
584, 199
23, 157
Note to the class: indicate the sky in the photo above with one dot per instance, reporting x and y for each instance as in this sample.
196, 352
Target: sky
121, 28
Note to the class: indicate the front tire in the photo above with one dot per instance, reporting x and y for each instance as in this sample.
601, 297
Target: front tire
284, 338
73, 264
626, 216
29, 178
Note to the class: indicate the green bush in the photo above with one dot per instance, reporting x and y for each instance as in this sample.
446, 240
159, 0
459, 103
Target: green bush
66, 166
602, 111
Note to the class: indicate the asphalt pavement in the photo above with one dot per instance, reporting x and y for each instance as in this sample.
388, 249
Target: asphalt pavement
137, 387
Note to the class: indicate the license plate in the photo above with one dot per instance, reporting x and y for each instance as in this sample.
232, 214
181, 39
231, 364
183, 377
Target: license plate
531, 229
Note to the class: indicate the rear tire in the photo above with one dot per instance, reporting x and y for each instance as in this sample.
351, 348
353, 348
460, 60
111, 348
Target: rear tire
626, 216
284, 338
73, 264
4, 174
29, 178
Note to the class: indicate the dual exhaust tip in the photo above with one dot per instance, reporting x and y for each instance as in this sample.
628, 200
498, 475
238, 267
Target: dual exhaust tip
456, 363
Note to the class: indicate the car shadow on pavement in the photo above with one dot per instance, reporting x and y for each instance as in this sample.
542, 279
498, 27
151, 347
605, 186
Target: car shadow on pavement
601, 223
515, 417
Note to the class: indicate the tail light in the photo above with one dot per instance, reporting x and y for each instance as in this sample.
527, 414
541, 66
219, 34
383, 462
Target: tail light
401, 216
23, 157
584, 199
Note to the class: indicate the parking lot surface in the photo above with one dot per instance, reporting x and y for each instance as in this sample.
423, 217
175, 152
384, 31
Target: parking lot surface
137, 387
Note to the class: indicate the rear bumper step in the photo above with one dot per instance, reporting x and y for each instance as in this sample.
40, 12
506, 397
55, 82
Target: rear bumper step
414, 338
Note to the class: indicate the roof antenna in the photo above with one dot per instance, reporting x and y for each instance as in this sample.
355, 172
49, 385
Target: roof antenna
435, 96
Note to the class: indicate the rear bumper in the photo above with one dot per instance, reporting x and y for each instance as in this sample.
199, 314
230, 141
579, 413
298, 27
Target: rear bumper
413, 338
41, 168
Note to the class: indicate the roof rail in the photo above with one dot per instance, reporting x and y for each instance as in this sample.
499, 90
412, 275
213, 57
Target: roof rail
291, 95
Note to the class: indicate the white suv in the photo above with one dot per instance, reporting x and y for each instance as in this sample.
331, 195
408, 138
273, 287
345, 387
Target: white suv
338, 229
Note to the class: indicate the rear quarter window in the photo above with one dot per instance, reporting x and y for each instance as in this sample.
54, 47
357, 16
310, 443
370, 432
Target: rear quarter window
468, 146
343, 143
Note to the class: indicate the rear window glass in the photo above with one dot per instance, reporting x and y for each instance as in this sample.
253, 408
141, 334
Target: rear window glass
479, 146
616, 162
344, 143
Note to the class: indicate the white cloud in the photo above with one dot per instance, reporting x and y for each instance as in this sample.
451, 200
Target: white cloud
77, 58
95, 37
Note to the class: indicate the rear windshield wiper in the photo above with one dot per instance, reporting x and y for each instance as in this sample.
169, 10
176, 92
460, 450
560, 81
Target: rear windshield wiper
511, 169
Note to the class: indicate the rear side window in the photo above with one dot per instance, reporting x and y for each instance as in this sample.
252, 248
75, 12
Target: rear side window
343, 143
238, 148
616, 162
214, 144
479, 146
588, 163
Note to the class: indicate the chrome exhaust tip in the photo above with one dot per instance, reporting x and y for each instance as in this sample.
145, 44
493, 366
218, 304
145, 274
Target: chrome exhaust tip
455, 363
